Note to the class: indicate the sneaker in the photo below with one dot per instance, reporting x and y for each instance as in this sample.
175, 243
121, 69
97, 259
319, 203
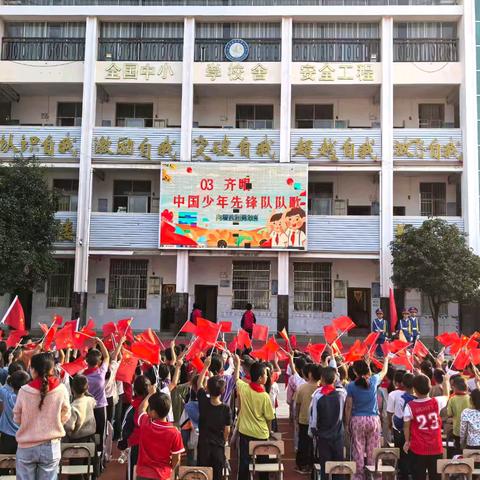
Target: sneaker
299, 470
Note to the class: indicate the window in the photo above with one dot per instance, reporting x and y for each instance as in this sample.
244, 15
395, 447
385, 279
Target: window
131, 196
314, 116
426, 310
69, 114
251, 284
134, 115
66, 191
128, 284
431, 115
433, 201
320, 198
312, 287
254, 116
60, 285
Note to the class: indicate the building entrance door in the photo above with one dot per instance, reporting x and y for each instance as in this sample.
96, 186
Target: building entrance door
167, 316
359, 306
206, 297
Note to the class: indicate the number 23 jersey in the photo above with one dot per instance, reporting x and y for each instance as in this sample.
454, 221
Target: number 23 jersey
425, 425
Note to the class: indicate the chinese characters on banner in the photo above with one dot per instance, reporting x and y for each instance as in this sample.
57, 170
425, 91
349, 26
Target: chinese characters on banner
233, 206
221, 72
417, 148
142, 72
336, 72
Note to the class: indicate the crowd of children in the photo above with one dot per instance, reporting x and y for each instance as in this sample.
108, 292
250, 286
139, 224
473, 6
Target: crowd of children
177, 410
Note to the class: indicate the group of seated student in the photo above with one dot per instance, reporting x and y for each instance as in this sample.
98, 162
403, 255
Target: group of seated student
176, 412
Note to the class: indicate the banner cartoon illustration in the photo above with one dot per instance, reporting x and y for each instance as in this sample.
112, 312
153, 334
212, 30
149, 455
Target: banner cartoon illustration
206, 205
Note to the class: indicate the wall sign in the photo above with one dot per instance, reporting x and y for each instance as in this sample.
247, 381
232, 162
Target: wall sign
236, 50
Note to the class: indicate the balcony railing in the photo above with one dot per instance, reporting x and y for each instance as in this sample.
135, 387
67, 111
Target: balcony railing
425, 50
352, 234
124, 230
235, 144
250, 3
261, 50
46, 49
400, 222
138, 49
336, 50
427, 145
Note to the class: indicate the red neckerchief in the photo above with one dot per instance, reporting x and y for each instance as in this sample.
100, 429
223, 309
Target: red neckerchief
136, 401
256, 387
53, 382
327, 389
459, 394
90, 370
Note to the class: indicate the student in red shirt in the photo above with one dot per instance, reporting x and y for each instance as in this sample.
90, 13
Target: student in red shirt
423, 429
248, 319
160, 442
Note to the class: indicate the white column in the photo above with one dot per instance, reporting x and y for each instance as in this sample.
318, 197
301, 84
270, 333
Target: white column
386, 174
468, 123
2, 33
85, 167
187, 89
286, 89
182, 271
283, 273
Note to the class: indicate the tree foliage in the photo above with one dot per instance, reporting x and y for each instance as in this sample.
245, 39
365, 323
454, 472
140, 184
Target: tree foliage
435, 259
27, 226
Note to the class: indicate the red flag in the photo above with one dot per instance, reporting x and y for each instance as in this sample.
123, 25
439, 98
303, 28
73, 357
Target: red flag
149, 336
461, 360
188, 327
371, 339
15, 337
458, 345
284, 334
330, 333
281, 356
272, 345
357, 352
197, 363
293, 341
57, 320
337, 347
49, 334
207, 330
232, 346
243, 339
261, 353
420, 349
15, 317
64, 337
147, 351
397, 345
225, 327
73, 324
260, 332
82, 341
89, 329
127, 367
472, 343
198, 346
393, 312
402, 360
109, 329
124, 328
76, 366
343, 324
475, 356
316, 351
448, 338
377, 363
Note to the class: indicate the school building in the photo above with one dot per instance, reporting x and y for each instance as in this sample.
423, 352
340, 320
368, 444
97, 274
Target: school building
372, 102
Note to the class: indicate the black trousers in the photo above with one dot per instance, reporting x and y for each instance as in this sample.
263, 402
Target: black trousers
100, 415
8, 444
423, 463
304, 457
404, 468
118, 418
211, 456
330, 450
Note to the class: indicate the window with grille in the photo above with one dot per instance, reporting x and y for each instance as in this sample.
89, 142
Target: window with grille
312, 287
66, 190
251, 284
128, 284
60, 285
433, 199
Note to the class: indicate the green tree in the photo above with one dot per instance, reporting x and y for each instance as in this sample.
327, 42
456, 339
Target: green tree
27, 226
436, 260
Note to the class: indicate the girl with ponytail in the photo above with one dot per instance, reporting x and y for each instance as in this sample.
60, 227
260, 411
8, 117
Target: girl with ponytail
361, 413
41, 409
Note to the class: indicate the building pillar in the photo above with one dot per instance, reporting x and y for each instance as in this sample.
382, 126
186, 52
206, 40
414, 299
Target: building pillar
468, 124
386, 174
286, 89
181, 294
283, 289
187, 89
80, 284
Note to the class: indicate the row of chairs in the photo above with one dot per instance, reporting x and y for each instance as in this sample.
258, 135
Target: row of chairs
71, 454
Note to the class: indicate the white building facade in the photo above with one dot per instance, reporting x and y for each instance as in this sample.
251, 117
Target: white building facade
376, 97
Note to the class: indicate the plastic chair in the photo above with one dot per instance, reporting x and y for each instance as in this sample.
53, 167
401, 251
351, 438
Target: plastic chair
462, 466
271, 449
346, 469
385, 463
77, 451
195, 473
475, 456
7, 461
